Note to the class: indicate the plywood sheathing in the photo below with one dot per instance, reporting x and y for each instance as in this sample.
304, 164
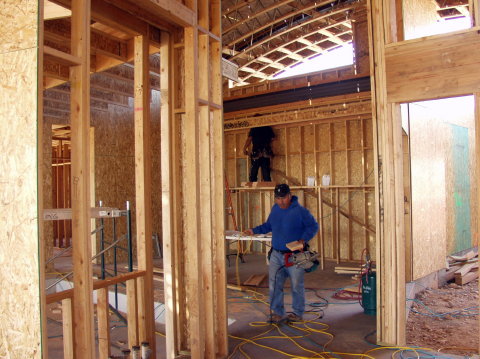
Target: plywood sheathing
22, 275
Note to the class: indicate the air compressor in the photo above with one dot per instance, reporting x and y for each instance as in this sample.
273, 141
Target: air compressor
369, 289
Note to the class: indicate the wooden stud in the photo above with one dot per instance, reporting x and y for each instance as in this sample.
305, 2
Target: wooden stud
103, 319
67, 320
167, 194
388, 164
80, 123
193, 262
132, 313
143, 187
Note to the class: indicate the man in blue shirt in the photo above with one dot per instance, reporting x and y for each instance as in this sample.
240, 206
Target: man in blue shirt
288, 221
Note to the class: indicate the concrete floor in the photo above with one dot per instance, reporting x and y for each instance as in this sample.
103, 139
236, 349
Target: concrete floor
333, 328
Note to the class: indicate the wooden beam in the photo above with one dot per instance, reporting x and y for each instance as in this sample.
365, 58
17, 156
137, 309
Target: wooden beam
80, 171
158, 12
143, 187
449, 67
112, 16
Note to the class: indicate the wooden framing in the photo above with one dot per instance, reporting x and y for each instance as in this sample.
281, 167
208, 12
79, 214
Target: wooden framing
326, 136
389, 89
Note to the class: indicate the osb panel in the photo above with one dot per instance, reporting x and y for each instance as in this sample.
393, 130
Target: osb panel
308, 138
278, 166
327, 228
428, 191
278, 143
368, 133
419, 18
230, 172
339, 175
295, 168
355, 134
243, 170
47, 185
19, 300
344, 244
356, 167
339, 140
323, 137
229, 150
239, 142
18, 25
156, 169
323, 165
358, 241
309, 169
294, 139
369, 169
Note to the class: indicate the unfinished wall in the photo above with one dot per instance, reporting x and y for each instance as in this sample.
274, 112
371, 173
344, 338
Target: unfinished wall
20, 327
332, 136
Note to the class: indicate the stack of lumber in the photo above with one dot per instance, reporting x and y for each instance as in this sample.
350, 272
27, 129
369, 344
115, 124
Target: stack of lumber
463, 269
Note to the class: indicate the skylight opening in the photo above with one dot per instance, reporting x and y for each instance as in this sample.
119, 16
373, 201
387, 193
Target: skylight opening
341, 56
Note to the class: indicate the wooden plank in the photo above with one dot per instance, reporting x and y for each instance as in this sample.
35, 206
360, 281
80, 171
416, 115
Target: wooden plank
80, 123
67, 324
60, 56
167, 194
465, 269
143, 188
448, 67
132, 313
103, 314
204, 163
467, 278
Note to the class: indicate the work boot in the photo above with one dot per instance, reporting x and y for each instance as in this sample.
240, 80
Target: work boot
292, 317
275, 318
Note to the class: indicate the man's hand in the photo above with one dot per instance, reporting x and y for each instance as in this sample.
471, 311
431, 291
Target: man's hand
245, 152
248, 232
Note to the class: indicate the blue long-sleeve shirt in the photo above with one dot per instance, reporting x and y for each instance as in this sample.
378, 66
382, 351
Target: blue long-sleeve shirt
288, 225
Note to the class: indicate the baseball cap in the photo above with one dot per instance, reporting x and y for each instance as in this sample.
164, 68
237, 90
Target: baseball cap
281, 190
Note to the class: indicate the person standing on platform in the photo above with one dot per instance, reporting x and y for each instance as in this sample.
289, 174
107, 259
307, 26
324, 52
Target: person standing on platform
261, 153
288, 221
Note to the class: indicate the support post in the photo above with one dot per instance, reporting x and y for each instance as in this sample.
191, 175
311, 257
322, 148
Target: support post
80, 124
143, 189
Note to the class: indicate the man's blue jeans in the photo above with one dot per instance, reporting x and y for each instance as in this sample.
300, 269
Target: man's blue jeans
277, 274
